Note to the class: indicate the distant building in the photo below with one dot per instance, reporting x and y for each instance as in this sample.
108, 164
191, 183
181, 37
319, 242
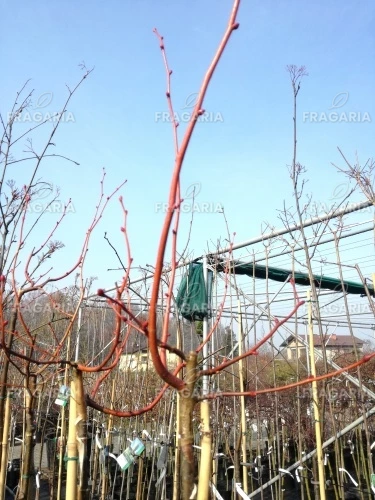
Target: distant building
334, 346
138, 358
136, 355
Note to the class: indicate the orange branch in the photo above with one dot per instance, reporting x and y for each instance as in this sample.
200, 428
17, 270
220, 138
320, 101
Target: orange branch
308, 380
197, 111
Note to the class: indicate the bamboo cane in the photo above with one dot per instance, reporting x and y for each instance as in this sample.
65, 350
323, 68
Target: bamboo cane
318, 436
242, 401
72, 452
81, 433
205, 463
5, 368
139, 495
63, 432
5, 446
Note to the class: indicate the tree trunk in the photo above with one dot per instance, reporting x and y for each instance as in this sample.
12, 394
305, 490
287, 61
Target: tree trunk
176, 476
28, 444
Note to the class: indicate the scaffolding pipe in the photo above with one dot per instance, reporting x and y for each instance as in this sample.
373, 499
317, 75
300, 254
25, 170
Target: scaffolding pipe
355, 207
318, 243
344, 431
300, 339
295, 227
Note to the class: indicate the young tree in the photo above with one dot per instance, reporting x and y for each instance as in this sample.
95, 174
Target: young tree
36, 317
22, 347
191, 365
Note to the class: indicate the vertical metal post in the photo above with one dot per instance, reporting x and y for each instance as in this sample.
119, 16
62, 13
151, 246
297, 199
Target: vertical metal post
205, 466
205, 382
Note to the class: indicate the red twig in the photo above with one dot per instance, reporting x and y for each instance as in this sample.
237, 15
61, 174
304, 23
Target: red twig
178, 200
168, 72
132, 413
253, 350
307, 380
197, 111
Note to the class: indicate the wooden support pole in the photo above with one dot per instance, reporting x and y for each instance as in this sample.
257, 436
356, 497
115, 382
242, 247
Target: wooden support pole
5, 447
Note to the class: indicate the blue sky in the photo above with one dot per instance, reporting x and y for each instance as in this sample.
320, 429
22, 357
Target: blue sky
238, 160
